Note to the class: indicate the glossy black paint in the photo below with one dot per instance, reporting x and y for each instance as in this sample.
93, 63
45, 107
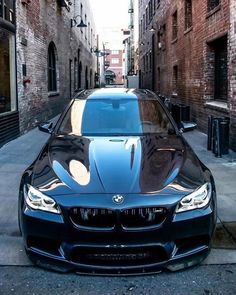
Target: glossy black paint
117, 165
151, 170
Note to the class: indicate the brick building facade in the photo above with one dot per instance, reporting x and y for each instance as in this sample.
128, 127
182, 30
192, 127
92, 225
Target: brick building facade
44, 28
232, 70
114, 68
9, 115
187, 52
53, 57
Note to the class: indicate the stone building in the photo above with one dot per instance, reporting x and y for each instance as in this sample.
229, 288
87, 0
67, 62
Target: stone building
188, 52
51, 56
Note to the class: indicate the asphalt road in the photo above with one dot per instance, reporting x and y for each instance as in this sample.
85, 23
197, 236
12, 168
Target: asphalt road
203, 280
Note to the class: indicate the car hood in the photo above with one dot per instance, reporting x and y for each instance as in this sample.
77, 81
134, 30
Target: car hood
135, 164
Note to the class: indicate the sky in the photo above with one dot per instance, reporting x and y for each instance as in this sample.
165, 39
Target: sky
111, 16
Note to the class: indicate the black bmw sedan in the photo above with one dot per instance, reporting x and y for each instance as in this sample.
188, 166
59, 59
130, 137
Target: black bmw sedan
116, 189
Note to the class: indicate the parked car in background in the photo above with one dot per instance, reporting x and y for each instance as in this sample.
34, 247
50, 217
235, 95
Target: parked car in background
116, 189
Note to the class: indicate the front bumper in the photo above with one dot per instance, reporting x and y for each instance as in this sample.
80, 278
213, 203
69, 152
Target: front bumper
182, 240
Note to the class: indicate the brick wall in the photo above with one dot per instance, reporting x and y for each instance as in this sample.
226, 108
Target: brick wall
117, 68
232, 71
192, 56
39, 23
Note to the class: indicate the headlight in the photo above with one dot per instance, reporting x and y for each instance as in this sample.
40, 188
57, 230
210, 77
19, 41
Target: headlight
38, 201
198, 199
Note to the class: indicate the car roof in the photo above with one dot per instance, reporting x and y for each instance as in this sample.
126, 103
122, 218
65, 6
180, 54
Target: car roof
113, 93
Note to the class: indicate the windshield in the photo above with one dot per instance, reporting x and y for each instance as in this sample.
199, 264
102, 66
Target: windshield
115, 117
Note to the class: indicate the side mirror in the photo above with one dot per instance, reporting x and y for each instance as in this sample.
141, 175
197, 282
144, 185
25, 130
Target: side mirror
187, 126
46, 127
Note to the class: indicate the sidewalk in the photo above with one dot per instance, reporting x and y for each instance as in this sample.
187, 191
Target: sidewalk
16, 155
224, 172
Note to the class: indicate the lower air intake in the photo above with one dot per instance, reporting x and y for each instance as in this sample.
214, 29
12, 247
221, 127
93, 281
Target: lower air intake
119, 257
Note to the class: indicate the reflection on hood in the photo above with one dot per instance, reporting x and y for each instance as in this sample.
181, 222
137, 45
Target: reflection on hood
146, 164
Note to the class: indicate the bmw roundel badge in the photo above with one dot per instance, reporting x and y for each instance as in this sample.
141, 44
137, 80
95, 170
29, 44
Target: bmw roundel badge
118, 199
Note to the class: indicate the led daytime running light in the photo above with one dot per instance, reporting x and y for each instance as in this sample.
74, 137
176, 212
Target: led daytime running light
196, 200
38, 201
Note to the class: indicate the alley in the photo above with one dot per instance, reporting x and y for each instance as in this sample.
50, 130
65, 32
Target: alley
184, 52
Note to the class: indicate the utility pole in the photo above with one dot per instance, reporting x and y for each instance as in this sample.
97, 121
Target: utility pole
98, 68
102, 69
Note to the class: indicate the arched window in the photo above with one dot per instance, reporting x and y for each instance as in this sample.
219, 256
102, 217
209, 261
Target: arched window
78, 70
86, 78
90, 78
79, 75
52, 74
75, 74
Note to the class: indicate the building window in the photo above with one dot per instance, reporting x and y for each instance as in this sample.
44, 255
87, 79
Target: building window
90, 78
154, 7
7, 72
115, 60
86, 28
147, 64
175, 79
213, 4
221, 73
150, 61
159, 79
86, 78
188, 14
141, 27
159, 40
70, 76
217, 70
52, 75
78, 70
149, 11
75, 73
163, 37
221, 69
174, 25
1, 6
80, 75
89, 33
144, 23
7, 10
91, 38
146, 17
115, 52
